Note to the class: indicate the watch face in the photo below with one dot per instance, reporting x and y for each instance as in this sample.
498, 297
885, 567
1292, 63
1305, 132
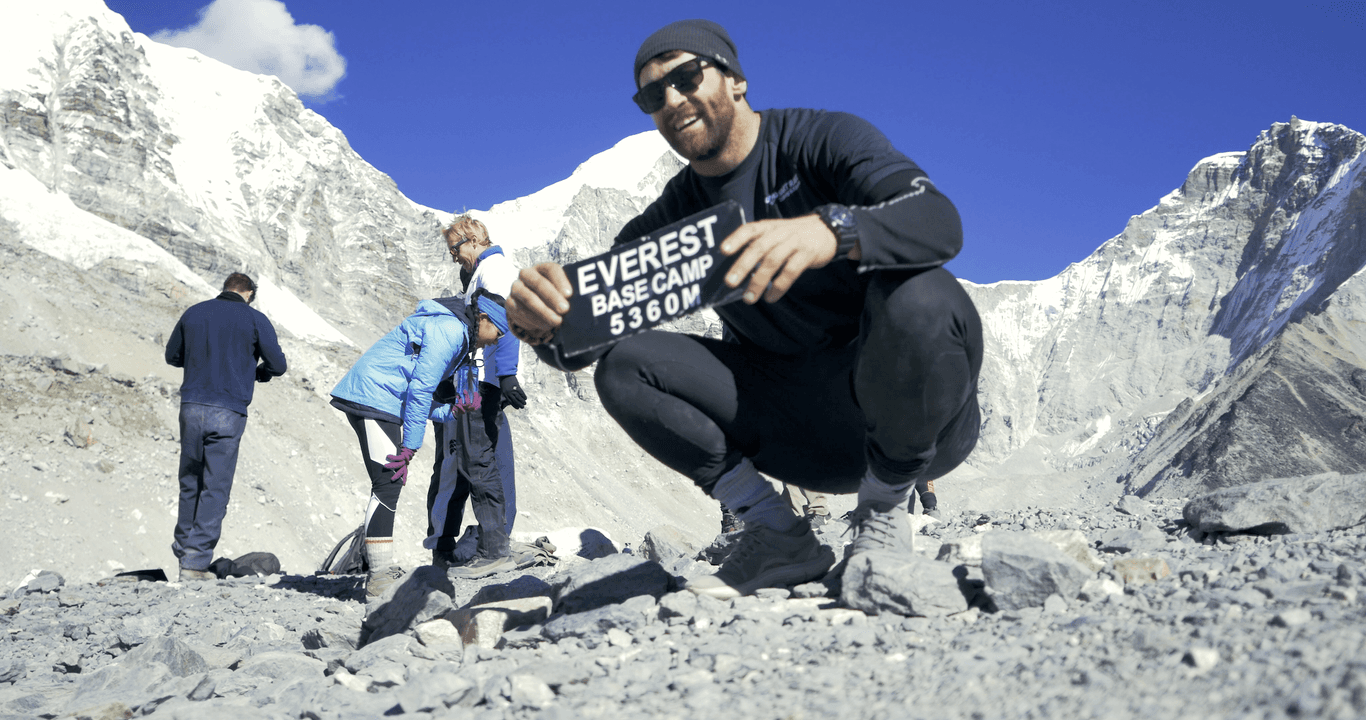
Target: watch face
840, 217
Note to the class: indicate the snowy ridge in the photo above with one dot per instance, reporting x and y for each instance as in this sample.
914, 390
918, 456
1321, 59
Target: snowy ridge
537, 219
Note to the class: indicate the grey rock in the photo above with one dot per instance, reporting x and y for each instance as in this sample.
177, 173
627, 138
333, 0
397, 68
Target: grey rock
529, 692
523, 587
177, 656
332, 635
677, 604
879, 582
1133, 505
435, 691
11, 669
666, 543
1293, 617
129, 683
282, 666
607, 581
45, 582
559, 672
1021, 570
1307, 504
423, 595
1125, 540
591, 624
204, 688
396, 649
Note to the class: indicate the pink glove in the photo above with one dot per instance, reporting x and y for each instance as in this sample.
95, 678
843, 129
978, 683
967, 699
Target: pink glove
399, 464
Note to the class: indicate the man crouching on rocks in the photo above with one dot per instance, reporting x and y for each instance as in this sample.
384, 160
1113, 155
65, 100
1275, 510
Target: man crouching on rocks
387, 398
857, 355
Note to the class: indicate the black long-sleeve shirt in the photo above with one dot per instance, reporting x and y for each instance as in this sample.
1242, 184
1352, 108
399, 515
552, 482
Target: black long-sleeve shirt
804, 159
218, 343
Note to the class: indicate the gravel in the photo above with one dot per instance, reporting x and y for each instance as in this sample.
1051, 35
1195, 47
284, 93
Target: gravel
1238, 626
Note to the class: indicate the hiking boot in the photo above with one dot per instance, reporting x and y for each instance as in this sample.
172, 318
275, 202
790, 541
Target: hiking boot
935, 513
378, 582
729, 523
444, 560
481, 567
188, 574
817, 519
767, 558
875, 529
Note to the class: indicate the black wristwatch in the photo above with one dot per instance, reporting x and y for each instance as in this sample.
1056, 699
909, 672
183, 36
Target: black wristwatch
842, 222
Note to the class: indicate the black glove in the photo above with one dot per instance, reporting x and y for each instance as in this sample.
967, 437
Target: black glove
262, 375
513, 394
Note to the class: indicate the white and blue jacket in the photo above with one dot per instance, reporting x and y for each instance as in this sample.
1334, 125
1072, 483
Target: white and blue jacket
495, 272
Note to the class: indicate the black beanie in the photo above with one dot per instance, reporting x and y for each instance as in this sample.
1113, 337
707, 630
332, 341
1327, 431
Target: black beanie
702, 38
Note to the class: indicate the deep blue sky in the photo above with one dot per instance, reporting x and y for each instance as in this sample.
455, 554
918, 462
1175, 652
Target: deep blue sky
1048, 124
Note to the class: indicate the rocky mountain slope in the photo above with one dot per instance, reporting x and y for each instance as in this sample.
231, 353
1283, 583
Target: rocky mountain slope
1145, 360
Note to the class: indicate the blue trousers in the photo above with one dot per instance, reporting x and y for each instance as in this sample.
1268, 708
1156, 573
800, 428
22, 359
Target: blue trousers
209, 438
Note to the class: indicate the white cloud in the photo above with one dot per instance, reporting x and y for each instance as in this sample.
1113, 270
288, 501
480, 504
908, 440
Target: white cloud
260, 36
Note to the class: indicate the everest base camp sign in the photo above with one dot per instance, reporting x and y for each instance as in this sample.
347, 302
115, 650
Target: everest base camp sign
670, 273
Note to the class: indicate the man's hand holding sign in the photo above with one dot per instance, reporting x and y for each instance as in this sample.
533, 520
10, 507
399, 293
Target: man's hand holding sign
677, 270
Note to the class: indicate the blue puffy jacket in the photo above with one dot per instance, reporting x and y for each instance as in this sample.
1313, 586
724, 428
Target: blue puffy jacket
399, 373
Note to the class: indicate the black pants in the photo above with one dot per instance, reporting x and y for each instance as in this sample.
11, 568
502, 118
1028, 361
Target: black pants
378, 439
902, 400
467, 469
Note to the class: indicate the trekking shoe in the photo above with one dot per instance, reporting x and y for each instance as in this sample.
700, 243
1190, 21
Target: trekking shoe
817, 519
444, 560
766, 558
729, 523
188, 574
378, 582
935, 513
878, 530
481, 567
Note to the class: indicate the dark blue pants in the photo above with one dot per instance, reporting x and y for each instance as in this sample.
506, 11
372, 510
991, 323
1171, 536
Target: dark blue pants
902, 400
209, 438
471, 453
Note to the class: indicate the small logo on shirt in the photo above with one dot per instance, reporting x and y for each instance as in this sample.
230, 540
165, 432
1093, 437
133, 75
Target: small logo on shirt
783, 192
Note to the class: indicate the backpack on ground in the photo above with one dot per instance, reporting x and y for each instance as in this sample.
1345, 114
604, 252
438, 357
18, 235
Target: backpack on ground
348, 557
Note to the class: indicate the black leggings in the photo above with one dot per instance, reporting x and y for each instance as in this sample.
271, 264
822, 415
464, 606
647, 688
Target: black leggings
902, 400
384, 491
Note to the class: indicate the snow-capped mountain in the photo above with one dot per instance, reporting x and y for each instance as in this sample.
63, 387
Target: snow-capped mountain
134, 176
1217, 340
1087, 369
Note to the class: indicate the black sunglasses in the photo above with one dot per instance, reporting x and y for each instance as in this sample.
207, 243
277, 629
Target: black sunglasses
685, 78
454, 249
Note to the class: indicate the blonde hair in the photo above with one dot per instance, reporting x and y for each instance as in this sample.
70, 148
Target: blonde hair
464, 226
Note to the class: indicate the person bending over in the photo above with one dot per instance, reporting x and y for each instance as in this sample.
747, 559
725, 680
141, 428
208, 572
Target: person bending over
387, 399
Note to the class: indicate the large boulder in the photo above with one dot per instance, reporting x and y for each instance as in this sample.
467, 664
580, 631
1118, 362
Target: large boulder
1021, 570
608, 581
1312, 503
879, 582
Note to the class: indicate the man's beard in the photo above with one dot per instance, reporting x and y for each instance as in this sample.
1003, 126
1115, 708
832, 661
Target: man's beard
718, 119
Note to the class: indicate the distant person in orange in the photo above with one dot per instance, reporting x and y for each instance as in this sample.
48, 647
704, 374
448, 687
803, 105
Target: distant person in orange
225, 347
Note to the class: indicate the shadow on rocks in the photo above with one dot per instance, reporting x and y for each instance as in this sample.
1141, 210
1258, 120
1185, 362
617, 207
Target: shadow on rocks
424, 594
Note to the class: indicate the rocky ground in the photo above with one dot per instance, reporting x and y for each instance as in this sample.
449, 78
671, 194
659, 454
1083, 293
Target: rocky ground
1146, 616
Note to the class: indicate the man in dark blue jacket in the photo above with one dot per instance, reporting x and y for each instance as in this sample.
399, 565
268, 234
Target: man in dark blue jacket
219, 343
856, 355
